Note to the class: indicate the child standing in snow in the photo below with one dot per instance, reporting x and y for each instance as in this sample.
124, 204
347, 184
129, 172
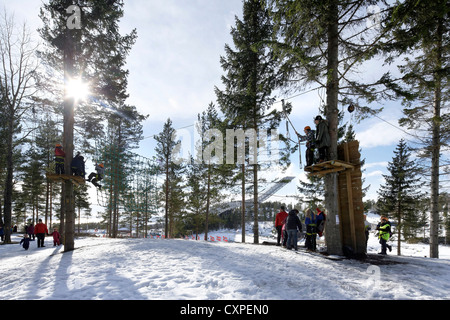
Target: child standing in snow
320, 222
56, 237
30, 231
25, 241
310, 222
384, 233
280, 219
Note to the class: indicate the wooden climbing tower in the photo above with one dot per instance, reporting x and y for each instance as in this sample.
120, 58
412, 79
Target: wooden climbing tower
351, 207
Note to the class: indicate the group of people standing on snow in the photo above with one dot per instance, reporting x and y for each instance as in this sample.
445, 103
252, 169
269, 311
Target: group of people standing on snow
39, 231
77, 167
288, 225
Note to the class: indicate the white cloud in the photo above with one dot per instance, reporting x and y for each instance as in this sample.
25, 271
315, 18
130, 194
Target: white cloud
376, 164
379, 134
377, 173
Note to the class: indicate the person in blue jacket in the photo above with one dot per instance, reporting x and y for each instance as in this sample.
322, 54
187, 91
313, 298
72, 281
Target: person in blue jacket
25, 241
311, 232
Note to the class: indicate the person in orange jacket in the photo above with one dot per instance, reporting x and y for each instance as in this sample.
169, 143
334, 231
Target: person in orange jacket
40, 230
280, 219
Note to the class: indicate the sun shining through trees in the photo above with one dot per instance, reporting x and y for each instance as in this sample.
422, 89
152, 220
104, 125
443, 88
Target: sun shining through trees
77, 89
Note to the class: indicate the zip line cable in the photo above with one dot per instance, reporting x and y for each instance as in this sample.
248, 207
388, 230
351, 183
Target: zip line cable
279, 101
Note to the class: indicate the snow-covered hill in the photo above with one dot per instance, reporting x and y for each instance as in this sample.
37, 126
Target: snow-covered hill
130, 269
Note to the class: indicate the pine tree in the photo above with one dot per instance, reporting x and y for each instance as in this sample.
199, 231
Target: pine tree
165, 153
213, 172
400, 194
322, 42
249, 82
93, 52
423, 27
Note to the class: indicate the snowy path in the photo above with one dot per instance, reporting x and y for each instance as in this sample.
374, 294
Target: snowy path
135, 269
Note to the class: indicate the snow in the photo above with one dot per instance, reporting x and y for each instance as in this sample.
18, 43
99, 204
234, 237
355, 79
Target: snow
178, 269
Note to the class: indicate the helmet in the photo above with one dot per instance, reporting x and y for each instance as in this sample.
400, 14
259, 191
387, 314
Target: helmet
101, 165
307, 128
318, 118
58, 145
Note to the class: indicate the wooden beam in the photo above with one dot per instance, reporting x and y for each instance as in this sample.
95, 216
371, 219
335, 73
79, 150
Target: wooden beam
63, 177
321, 169
350, 198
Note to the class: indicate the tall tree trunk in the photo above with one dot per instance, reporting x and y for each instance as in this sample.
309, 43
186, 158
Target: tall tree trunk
7, 212
332, 234
50, 206
62, 220
255, 203
399, 228
166, 227
243, 202
208, 196
68, 196
435, 149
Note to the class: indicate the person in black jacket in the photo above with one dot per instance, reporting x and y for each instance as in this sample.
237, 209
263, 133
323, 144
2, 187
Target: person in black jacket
292, 224
77, 165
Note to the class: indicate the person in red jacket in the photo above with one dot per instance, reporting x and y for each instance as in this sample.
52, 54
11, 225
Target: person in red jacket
59, 159
40, 230
280, 218
56, 237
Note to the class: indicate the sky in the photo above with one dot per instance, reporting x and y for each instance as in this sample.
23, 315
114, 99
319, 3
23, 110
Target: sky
175, 65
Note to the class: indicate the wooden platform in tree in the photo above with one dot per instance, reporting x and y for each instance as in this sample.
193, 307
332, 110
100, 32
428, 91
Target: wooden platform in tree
63, 177
321, 169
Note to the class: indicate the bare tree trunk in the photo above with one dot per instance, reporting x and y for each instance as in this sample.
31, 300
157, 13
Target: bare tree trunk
243, 202
436, 146
68, 196
208, 196
166, 227
255, 204
332, 234
9, 179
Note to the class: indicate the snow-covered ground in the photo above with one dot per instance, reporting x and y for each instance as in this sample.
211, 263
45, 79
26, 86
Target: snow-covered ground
178, 269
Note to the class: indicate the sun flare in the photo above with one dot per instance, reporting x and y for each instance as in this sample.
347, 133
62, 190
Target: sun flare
77, 89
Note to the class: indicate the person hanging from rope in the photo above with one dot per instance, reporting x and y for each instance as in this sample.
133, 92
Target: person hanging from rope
309, 137
95, 177
77, 165
323, 140
59, 159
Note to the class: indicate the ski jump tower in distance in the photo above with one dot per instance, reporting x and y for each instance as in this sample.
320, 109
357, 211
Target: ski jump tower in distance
351, 207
